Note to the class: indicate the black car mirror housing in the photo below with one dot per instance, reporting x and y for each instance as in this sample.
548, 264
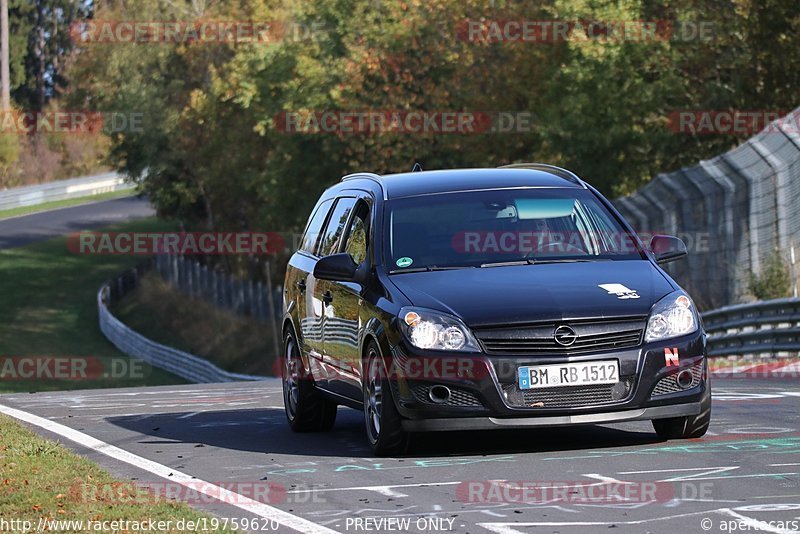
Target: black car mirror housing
337, 267
667, 248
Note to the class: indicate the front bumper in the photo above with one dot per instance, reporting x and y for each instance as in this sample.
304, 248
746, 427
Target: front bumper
484, 423
485, 394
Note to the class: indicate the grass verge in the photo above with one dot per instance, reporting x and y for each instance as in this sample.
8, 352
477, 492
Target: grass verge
41, 480
234, 343
26, 210
48, 309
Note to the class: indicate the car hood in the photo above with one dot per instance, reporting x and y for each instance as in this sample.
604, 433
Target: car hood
542, 292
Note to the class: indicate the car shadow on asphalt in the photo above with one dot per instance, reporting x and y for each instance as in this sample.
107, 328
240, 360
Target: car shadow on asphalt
265, 430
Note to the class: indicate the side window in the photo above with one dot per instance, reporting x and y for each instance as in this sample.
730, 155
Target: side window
309, 242
336, 224
357, 234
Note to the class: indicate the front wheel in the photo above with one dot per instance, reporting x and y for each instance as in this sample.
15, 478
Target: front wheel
384, 424
693, 426
306, 409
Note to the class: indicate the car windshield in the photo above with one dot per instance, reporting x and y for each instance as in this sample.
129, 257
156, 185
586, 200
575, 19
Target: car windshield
498, 227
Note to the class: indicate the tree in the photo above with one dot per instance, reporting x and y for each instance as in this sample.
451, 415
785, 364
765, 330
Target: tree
773, 282
42, 31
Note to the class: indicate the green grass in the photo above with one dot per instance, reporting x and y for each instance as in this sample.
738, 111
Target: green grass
48, 308
42, 479
26, 210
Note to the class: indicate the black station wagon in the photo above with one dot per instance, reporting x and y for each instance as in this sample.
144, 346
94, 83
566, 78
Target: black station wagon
515, 297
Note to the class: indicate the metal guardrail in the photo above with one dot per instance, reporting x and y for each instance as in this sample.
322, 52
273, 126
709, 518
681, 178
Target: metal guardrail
769, 327
84, 186
135, 345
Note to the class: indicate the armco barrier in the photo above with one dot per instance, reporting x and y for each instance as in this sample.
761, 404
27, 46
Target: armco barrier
767, 328
84, 186
135, 345
734, 210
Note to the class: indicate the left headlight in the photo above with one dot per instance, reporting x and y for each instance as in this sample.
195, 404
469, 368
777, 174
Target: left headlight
672, 316
429, 329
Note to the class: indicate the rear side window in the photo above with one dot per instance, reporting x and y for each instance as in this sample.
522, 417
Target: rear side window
336, 224
310, 238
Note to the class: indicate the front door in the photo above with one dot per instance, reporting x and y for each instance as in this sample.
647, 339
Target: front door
342, 314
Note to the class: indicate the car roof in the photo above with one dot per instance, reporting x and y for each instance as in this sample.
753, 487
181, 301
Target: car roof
446, 181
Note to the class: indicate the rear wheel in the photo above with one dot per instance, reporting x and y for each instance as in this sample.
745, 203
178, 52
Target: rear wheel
384, 424
306, 409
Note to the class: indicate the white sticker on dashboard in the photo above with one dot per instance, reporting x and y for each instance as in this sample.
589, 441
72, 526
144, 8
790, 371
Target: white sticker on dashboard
620, 291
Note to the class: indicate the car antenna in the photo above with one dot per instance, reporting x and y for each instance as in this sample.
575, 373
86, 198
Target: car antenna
416, 168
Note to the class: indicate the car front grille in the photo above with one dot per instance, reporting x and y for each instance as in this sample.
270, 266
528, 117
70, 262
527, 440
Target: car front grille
669, 384
539, 338
568, 396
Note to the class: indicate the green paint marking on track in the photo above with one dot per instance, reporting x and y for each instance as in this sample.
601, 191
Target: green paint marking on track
773, 445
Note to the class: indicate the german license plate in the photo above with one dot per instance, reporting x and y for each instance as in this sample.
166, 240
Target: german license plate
569, 374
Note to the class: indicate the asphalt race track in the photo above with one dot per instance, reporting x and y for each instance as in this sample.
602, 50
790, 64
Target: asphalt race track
18, 231
745, 472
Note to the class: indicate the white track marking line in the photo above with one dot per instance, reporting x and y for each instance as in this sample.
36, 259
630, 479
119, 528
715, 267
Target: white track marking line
671, 470
379, 489
224, 495
386, 491
511, 528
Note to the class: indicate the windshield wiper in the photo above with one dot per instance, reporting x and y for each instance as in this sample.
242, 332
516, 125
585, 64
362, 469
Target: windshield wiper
430, 268
534, 261
567, 260
508, 263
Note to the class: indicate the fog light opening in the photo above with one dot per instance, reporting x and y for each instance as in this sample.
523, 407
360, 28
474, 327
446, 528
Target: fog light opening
685, 379
439, 394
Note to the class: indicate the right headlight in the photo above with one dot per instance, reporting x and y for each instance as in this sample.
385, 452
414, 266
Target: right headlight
429, 329
672, 316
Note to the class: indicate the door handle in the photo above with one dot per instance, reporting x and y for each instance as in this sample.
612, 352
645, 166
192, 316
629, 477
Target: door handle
327, 298
301, 285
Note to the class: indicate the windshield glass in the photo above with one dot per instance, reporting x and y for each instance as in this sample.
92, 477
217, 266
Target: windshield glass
479, 228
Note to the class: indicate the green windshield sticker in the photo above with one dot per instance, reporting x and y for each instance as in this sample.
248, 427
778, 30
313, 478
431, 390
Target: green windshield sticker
404, 262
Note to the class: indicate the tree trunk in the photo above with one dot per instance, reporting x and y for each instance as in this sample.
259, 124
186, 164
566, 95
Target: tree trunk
5, 71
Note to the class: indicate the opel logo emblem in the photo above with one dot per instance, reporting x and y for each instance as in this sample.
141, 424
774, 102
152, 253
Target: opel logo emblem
565, 336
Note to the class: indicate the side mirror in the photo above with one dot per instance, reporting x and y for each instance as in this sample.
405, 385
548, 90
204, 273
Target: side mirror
667, 248
337, 267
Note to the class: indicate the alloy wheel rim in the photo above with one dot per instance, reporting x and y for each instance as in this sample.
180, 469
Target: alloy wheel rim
291, 378
374, 396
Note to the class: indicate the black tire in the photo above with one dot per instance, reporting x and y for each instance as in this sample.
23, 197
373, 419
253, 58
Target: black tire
306, 409
384, 424
693, 426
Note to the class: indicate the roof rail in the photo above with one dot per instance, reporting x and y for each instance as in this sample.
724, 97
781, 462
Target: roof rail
552, 169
